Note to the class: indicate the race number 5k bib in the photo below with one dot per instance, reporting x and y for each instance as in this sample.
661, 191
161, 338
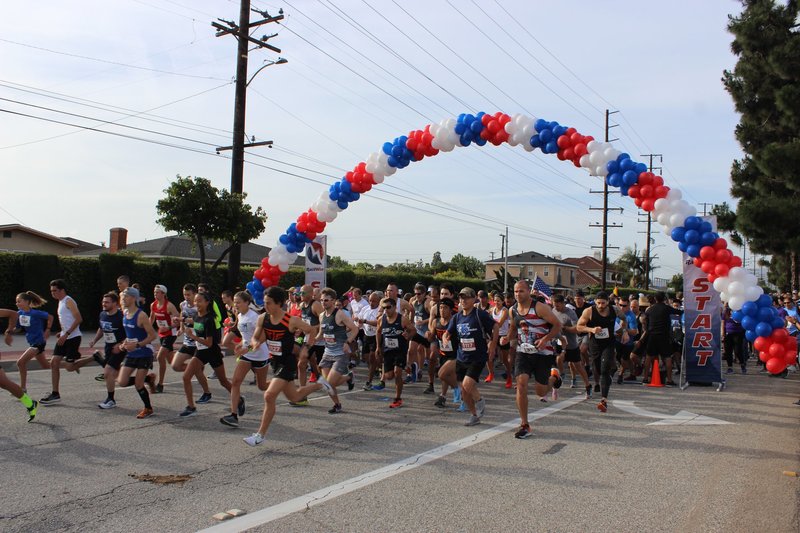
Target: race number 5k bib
274, 348
330, 340
109, 337
391, 343
526, 347
25, 321
162, 323
603, 334
447, 346
467, 345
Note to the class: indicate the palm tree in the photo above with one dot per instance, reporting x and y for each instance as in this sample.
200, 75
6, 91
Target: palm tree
632, 266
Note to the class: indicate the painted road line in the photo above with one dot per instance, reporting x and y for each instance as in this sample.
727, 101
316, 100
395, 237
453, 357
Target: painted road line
326, 494
682, 418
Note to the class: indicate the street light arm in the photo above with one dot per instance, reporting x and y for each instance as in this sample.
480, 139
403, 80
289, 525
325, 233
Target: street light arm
280, 61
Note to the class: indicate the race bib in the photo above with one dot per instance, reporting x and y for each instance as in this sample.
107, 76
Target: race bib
467, 345
446, 346
603, 334
418, 320
526, 347
274, 347
162, 323
391, 343
109, 337
330, 340
25, 321
201, 346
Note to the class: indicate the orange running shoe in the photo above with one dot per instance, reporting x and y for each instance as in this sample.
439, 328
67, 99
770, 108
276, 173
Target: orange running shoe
489, 378
144, 413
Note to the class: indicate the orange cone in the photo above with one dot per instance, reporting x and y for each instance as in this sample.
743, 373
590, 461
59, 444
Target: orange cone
655, 376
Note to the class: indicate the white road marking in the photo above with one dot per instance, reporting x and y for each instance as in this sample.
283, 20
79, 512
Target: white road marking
682, 418
323, 495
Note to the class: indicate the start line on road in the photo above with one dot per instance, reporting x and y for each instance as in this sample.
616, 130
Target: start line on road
682, 418
323, 495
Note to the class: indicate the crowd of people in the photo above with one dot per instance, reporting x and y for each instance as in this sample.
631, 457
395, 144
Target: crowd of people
313, 339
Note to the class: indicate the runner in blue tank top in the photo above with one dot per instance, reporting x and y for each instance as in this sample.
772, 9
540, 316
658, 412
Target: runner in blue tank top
139, 333
394, 331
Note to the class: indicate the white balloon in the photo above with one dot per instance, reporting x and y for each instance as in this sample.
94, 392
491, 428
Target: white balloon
737, 274
736, 302
751, 279
378, 178
663, 219
752, 293
724, 296
591, 146
674, 194
736, 288
584, 161
721, 284
661, 205
676, 220
527, 147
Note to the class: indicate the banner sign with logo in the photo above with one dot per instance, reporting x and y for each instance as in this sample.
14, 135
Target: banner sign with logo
316, 260
702, 322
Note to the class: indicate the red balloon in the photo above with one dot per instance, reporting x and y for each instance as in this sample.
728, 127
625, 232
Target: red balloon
648, 204
645, 178
764, 357
723, 256
563, 142
790, 358
707, 253
646, 191
633, 191
721, 270
311, 235
776, 366
791, 344
735, 261
660, 191
266, 282
698, 262
720, 243
707, 266
265, 263
762, 344
779, 335
581, 150
658, 181
711, 278
776, 350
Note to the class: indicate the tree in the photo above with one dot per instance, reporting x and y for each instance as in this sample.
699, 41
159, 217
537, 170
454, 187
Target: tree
437, 264
471, 267
334, 261
498, 283
194, 207
765, 88
726, 222
632, 267
676, 283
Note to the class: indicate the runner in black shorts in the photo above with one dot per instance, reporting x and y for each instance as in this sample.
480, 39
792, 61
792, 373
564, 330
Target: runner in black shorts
392, 336
447, 355
112, 332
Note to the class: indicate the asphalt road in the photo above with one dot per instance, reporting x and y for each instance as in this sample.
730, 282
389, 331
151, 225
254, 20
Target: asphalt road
414, 469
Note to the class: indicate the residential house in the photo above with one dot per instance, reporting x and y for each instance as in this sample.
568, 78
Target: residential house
19, 238
560, 275
592, 271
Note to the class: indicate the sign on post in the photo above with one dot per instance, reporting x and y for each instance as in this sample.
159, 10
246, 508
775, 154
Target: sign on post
316, 260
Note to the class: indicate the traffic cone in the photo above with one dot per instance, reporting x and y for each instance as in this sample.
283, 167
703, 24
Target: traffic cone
655, 376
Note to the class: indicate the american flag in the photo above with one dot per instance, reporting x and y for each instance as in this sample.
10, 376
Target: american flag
544, 288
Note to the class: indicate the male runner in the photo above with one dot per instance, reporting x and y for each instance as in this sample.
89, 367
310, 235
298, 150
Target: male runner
393, 333
338, 331
112, 332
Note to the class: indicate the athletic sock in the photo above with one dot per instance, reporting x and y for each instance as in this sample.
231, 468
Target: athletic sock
131, 381
110, 396
26, 400
145, 396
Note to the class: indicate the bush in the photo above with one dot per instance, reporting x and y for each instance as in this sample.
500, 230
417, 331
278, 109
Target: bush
81, 275
113, 266
10, 278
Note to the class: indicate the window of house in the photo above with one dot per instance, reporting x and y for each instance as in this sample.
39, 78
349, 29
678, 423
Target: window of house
546, 271
7, 234
530, 271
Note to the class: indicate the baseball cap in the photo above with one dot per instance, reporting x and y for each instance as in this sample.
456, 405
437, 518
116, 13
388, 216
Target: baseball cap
579, 293
130, 291
161, 288
469, 292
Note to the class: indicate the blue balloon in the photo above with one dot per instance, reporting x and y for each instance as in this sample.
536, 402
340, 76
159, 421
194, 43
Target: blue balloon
678, 233
737, 316
622, 156
691, 236
682, 246
476, 127
559, 130
777, 322
342, 204
708, 238
536, 142
460, 128
765, 314
614, 180
763, 329
387, 148
546, 136
465, 139
627, 164
765, 300
639, 168
751, 335
749, 322
692, 222
392, 161
480, 141
612, 166
541, 124
705, 226
283, 239
552, 147
397, 151
623, 190
750, 309
630, 177
693, 250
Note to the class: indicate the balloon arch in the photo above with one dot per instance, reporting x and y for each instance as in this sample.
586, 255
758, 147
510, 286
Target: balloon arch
751, 307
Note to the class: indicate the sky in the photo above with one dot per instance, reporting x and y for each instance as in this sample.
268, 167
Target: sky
152, 74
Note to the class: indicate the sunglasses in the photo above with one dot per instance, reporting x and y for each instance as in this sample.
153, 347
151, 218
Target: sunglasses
386, 307
623, 305
326, 299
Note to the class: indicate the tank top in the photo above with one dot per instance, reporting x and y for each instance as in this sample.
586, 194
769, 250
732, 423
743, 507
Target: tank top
163, 320
392, 339
188, 311
421, 316
136, 333
280, 341
333, 335
310, 318
496, 316
606, 337
530, 328
66, 318
445, 348
247, 326
111, 325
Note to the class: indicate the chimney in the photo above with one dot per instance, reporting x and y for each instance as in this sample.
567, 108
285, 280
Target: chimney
598, 255
557, 257
118, 240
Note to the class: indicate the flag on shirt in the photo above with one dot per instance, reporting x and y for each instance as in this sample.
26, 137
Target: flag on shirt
544, 288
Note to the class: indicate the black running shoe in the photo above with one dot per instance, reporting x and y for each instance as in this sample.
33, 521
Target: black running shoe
230, 420
335, 409
240, 407
99, 359
51, 398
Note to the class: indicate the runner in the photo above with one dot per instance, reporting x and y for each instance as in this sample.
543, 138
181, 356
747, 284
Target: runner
276, 329
163, 314
112, 332
392, 340
599, 323
189, 347
570, 343
659, 327
470, 328
338, 331
248, 357
7, 384
69, 339
447, 356
580, 306
231, 336
500, 315
483, 303
534, 327
625, 357
36, 325
313, 349
205, 332
368, 320
420, 344
139, 333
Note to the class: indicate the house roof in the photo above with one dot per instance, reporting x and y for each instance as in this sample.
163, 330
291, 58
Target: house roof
528, 258
83, 246
26, 229
584, 279
587, 262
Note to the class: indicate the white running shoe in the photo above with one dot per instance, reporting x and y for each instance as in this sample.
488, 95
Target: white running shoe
108, 404
325, 385
254, 440
480, 407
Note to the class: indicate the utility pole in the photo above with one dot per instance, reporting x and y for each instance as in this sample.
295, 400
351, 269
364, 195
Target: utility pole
706, 205
605, 209
242, 33
505, 260
651, 168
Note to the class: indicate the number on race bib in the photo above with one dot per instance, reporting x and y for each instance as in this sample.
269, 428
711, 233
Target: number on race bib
467, 345
274, 348
603, 334
109, 337
25, 321
329, 339
391, 343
